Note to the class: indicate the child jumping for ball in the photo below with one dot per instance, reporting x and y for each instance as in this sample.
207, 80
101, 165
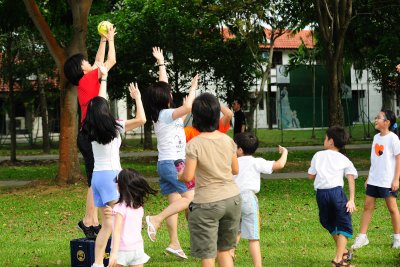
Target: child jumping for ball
127, 241
86, 77
248, 181
327, 170
383, 177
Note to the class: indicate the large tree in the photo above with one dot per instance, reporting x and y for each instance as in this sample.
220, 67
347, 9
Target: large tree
333, 17
69, 169
370, 49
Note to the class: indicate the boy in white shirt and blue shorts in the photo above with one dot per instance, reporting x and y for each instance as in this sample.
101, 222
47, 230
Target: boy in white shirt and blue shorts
328, 167
248, 181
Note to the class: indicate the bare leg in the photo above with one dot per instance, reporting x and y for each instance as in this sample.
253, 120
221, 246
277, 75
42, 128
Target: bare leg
91, 217
103, 236
341, 242
225, 258
207, 262
366, 217
232, 251
177, 204
391, 203
255, 252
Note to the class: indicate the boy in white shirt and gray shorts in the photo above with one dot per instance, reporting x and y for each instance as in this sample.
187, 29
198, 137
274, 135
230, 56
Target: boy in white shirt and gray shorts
248, 181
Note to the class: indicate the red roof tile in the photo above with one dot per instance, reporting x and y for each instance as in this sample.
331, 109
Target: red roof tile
289, 40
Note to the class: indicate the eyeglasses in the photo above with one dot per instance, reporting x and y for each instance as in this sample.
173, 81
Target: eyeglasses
380, 118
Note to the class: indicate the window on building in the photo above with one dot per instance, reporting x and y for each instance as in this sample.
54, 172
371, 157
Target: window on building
277, 58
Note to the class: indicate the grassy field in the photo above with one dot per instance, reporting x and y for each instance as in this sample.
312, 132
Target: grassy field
37, 223
298, 161
267, 138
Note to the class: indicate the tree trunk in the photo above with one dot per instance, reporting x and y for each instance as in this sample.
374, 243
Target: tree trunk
334, 93
333, 19
69, 168
387, 97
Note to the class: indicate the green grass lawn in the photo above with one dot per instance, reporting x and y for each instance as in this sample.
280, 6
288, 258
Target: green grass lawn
37, 223
298, 161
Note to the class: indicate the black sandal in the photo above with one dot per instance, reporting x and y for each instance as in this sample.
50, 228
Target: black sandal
348, 256
341, 264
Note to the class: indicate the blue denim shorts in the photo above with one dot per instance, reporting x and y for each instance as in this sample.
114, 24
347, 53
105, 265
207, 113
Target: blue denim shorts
169, 182
104, 188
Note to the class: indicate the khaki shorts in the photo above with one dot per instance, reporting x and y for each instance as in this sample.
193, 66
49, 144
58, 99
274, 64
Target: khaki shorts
214, 226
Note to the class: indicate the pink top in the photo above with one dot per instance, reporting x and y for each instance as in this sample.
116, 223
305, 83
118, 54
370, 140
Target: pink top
131, 236
88, 88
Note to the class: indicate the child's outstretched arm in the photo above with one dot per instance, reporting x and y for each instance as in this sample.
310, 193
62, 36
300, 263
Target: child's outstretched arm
103, 72
101, 51
159, 56
187, 104
140, 115
111, 57
395, 182
281, 162
227, 115
351, 206
116, 239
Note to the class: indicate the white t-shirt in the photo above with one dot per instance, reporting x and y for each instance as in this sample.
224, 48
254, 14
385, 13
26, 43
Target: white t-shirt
250, 168
106, 157
131, 236
383, 159
330, 167
171, 140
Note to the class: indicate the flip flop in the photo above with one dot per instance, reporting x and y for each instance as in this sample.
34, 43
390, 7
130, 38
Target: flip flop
151, 230
177, 252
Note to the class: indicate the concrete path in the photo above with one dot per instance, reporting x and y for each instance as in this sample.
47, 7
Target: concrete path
154, 153
293, 175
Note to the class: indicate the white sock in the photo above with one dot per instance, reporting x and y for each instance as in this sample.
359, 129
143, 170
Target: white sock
97, 265
362, 235
396, 236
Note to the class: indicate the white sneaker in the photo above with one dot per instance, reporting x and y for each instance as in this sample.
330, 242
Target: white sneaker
362, 241
396, 242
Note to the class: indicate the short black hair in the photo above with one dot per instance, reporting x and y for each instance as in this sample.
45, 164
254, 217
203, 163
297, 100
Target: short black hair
239, 101
247, 141
158, 97
390, 116
339, 136
206, 110
73, 68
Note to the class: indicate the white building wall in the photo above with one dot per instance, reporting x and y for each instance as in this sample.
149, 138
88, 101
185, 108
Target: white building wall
371, 104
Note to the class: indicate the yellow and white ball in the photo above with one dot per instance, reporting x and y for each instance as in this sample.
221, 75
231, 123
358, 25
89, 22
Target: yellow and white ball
103, 27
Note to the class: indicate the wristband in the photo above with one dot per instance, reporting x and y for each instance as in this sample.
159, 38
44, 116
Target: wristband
103, 80
159, 65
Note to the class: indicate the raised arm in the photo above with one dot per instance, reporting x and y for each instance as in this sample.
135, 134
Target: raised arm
100, 52
227, 115
281, 162
111, 57
162, 70
187, 104
103, 73
140, 115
